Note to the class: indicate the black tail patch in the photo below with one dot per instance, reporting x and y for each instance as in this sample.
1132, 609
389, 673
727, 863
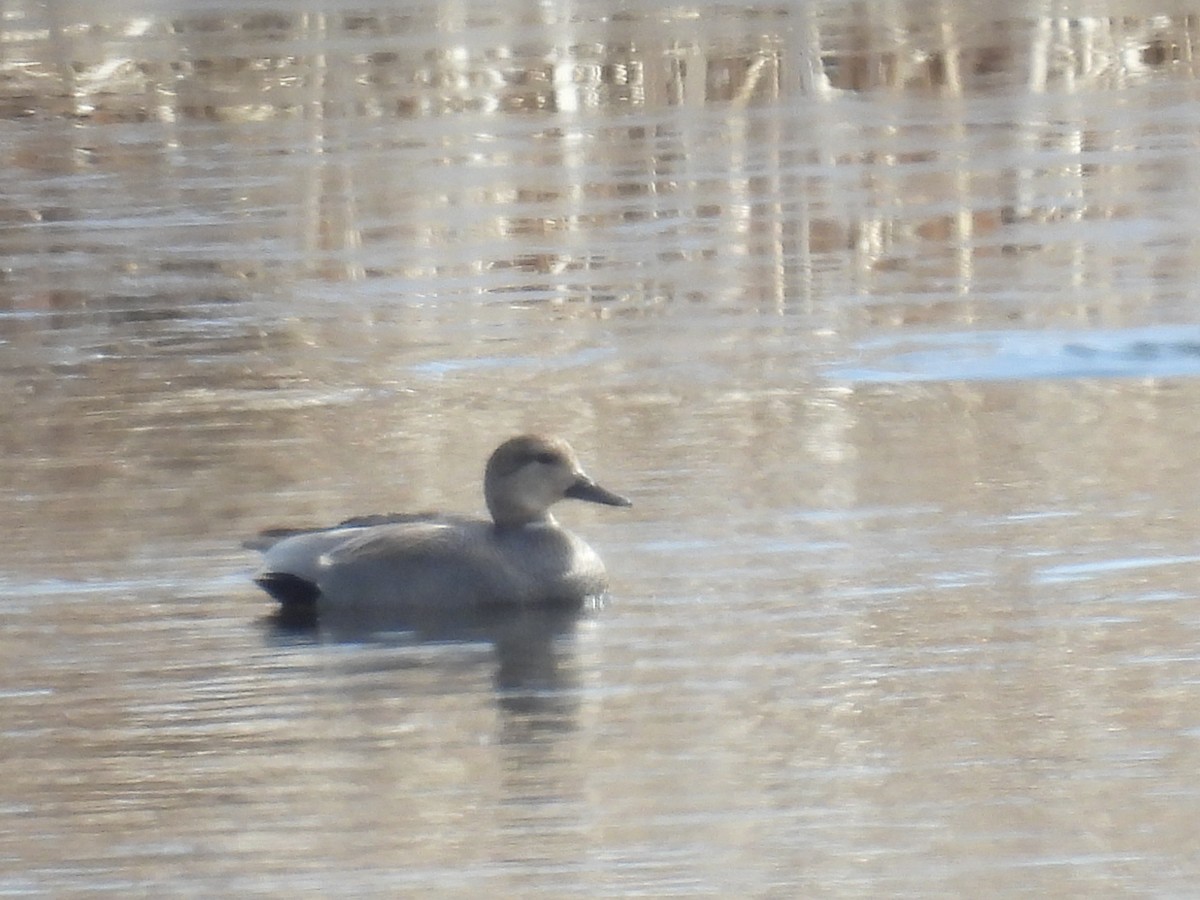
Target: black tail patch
288, 589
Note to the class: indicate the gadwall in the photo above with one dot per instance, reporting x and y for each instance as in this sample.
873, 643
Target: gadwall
398, 562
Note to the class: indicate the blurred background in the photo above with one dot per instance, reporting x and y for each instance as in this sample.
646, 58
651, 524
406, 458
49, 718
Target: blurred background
883, 314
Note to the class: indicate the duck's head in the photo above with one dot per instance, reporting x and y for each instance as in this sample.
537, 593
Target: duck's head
526, 475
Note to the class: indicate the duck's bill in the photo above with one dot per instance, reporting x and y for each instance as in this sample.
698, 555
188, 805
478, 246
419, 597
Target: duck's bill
586, 489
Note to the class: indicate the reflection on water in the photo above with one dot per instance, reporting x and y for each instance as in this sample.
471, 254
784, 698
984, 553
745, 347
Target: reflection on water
526, 642
1160, 352
684, 139
905, 607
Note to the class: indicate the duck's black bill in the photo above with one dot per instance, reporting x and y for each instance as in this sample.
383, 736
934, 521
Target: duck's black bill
586, 489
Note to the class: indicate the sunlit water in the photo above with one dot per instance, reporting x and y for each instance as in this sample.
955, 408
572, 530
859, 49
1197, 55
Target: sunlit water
885, 321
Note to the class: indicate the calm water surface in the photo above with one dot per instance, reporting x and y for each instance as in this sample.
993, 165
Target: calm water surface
884, 318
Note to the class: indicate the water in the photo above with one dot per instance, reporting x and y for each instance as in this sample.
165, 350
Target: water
883, 318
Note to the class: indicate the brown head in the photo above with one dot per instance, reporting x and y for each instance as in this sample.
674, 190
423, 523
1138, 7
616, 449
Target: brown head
526, 475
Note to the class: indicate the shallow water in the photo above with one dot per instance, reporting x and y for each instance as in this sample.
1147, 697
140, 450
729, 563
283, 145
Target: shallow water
885, 321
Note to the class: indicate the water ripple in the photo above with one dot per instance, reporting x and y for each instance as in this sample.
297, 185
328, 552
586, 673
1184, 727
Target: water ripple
1148, 352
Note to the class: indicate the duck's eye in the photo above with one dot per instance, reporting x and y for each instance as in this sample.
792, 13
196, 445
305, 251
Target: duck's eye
546, 459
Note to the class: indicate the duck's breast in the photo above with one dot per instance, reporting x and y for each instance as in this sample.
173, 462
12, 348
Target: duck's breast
556, 565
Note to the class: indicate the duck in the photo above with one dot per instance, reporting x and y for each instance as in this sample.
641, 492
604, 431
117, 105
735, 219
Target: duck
423, 563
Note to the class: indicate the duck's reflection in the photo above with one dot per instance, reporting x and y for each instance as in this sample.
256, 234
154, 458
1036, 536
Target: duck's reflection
532, 649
